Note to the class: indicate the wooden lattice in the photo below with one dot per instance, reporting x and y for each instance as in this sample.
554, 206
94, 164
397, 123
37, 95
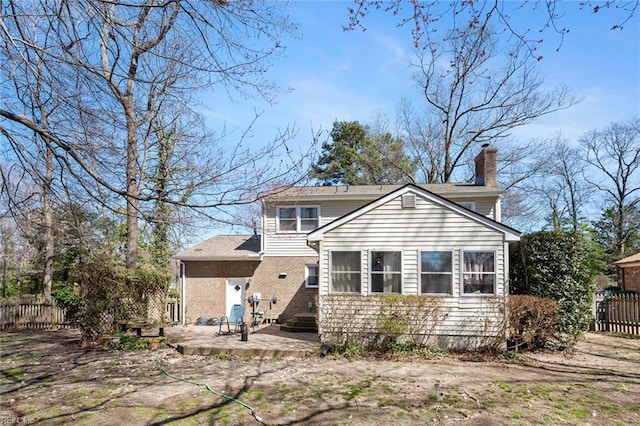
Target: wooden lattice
113, 296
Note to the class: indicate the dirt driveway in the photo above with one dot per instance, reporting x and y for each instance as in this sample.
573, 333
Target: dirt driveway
45, 378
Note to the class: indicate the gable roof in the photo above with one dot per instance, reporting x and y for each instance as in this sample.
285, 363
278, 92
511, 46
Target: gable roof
224, 247
509, 233
633, 260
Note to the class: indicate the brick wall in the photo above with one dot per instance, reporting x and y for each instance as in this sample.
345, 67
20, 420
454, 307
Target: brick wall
206, 286
632, 278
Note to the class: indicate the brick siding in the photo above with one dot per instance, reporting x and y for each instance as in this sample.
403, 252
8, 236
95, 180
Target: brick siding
206, 286
632, 278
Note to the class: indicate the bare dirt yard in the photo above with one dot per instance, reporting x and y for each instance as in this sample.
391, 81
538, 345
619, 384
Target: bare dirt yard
46, 378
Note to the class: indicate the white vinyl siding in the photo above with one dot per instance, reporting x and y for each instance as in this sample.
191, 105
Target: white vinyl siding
428, 227
295, 244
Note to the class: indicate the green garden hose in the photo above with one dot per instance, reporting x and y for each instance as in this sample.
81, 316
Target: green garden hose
206, 386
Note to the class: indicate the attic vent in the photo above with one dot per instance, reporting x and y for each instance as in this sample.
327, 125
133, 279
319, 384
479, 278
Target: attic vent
409, 201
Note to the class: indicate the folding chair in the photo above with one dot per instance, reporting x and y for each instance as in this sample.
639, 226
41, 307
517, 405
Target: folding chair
236, 317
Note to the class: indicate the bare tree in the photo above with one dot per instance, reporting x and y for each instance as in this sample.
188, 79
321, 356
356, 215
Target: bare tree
561, 186
109, 68
424, 16
614, 154
568, 169
474, 95
521, 166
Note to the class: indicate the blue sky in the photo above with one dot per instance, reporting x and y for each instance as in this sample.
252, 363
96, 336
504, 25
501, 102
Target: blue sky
333, 74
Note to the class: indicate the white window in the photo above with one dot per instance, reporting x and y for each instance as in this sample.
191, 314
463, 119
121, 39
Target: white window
479, 272
312, 275
298, 218
436, 272
468, 205
308, 218
345, 271
386, 271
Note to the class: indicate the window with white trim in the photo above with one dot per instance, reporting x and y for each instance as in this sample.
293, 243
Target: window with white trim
386, 272
297, 218
471, 205
436, 272
312, 275
346, 272
479, 272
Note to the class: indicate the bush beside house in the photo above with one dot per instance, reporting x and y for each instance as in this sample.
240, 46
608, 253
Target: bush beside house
555, 265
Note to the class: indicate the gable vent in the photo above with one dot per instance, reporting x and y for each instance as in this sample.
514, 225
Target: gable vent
409, 201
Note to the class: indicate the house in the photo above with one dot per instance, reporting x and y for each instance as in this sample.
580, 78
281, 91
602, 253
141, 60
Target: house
334, 250
630, 272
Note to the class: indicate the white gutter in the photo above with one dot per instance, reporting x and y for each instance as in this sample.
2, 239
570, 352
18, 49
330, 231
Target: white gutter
197, 258
183, 280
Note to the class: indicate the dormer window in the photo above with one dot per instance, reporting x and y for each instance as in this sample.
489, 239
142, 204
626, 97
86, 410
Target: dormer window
298, 218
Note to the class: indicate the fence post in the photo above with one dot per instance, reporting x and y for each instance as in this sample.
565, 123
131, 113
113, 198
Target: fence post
54, 314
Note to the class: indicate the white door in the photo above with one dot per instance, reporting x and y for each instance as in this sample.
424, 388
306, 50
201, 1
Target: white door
234, 293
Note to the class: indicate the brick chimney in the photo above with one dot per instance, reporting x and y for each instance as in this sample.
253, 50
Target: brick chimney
486, 166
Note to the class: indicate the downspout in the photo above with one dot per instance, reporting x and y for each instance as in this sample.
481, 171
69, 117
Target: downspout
183, 283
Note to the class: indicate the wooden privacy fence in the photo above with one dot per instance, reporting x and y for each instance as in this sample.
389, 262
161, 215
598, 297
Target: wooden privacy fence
35, 314
617, 313
32, 314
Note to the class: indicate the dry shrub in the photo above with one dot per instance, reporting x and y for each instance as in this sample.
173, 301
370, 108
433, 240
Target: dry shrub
532, 321
374, 321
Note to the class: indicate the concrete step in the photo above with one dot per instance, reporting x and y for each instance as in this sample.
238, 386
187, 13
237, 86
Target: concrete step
305, 322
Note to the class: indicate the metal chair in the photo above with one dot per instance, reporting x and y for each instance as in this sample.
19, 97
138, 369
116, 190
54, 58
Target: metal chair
236, 317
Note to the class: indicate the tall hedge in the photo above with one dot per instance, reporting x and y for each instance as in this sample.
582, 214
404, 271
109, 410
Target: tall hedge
555, 265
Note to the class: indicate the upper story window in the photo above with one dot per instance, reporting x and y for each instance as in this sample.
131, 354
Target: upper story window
345, 271
436, 272
386, 272
479, 272
298, 218
468, 205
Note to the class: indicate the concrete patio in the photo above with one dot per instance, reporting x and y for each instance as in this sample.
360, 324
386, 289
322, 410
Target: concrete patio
266, 340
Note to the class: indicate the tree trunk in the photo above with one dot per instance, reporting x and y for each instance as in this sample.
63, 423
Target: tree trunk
132, 192
48, 226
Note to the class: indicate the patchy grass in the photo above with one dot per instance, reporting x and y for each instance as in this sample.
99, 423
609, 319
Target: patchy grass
80, 387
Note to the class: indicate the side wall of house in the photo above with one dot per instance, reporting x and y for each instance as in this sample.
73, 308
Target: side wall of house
205, 287
427, 227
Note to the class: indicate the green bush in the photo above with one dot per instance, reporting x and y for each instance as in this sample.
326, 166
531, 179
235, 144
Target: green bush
67, 299
555, 265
